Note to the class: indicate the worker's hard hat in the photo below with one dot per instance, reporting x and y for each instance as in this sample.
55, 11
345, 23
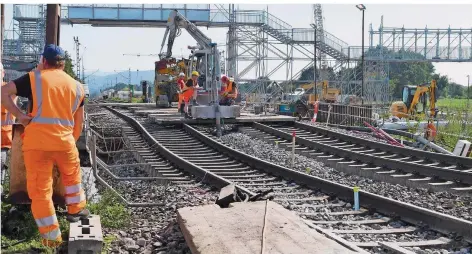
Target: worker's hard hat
181, 74
195, 73
224, 79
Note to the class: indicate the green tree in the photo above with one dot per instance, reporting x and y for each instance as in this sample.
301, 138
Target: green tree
69, 67
457, 91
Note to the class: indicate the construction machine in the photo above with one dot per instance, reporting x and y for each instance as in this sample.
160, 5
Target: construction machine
414, 101
327, 94
165, 83
204, 58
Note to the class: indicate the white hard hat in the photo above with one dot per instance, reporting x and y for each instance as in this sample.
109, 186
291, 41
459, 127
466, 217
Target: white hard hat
181, 74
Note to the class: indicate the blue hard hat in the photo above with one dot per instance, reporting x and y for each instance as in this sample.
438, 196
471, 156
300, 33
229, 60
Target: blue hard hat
53, 52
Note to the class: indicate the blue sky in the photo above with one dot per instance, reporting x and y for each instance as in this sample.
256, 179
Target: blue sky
105, 46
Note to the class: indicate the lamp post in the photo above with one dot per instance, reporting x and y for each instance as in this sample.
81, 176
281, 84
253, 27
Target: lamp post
362, 8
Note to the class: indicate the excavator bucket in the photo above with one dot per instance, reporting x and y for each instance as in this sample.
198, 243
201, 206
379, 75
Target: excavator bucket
18, 192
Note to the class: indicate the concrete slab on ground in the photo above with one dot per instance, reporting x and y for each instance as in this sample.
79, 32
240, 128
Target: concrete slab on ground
239, 229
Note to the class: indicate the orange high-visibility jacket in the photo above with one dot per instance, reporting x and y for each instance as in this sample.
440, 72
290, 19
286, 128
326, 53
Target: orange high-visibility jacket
229, 89
56, 97
187, 92
8, 119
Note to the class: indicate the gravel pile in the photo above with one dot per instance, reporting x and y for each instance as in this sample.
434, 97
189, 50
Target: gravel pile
444, 202
152, 229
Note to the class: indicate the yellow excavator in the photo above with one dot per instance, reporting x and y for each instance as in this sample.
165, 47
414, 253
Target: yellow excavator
414, 101
327, 94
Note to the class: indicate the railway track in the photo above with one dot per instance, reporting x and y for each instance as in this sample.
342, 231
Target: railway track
353, 155
381, 224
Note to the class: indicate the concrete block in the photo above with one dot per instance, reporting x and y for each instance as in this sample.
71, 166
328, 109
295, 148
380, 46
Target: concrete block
226, 195
238, 230
85, 236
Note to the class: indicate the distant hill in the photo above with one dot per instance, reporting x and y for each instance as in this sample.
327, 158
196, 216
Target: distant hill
101, 80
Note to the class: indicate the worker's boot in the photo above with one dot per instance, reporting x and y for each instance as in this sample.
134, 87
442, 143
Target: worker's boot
194, 103
83, 214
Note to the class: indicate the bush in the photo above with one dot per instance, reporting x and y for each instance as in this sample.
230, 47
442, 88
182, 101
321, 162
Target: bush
113, 213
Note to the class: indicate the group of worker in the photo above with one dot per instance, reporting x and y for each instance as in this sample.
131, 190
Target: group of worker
53, 125
189, 90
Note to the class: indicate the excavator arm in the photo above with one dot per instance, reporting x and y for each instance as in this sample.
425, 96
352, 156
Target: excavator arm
175, 22
432, 98
420, 91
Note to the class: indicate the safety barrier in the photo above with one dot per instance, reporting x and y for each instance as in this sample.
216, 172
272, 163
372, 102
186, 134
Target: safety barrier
349, 115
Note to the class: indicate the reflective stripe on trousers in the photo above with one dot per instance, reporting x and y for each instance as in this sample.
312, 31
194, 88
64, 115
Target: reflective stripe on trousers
73, 189
39, 104
47, 221
75, 199
52, 235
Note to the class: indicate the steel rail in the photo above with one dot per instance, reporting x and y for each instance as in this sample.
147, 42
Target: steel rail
416, 215
403, 166
461, 162
205, 175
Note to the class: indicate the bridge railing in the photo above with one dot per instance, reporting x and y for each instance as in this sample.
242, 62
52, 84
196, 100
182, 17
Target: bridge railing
433, 53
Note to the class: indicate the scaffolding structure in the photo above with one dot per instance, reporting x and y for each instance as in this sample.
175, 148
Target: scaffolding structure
25, 40
260, 45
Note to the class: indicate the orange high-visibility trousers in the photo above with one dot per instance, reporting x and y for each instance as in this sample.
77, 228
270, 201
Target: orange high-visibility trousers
187, 94
39, 179
181, 98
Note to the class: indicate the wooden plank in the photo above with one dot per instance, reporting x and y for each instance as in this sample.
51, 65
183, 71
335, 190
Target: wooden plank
239, 229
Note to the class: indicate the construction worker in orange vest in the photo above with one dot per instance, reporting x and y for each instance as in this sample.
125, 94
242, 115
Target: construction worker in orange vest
180, 87
230, 93
189, 91
7, 129
51, 130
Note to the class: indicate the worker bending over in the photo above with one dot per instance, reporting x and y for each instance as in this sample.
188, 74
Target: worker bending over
180, 87
189, 91
51, 131
8, 120
229, 93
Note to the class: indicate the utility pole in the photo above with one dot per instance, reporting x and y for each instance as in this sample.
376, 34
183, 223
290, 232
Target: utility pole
314, 67
130, 86
2, 29
361, 7
77, 57
53, 24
